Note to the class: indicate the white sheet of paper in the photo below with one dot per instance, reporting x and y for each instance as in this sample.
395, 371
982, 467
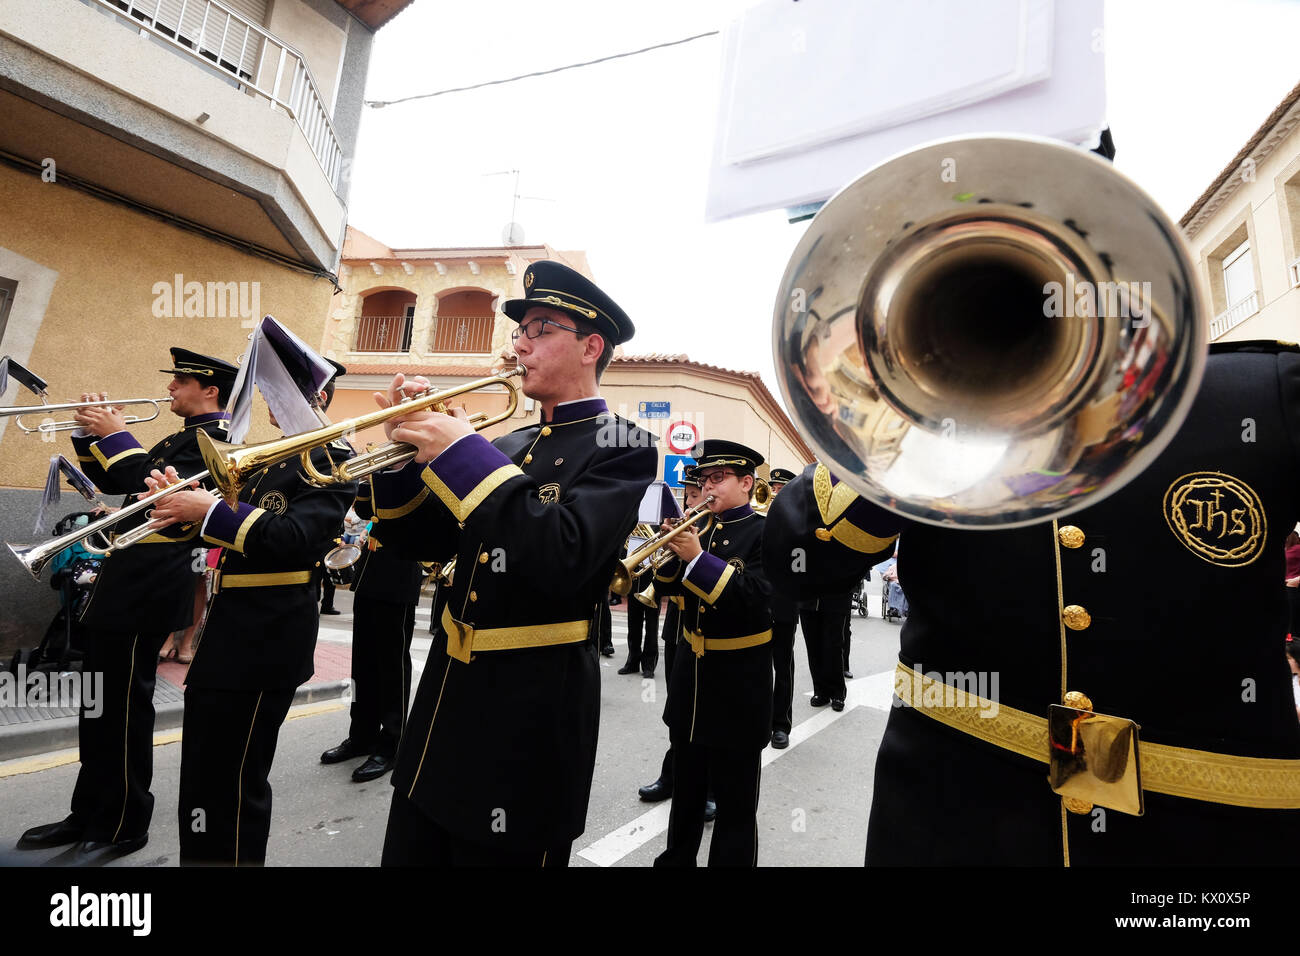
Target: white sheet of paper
815, 93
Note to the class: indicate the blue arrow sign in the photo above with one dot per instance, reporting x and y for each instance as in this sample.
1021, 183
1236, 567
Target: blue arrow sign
674, 465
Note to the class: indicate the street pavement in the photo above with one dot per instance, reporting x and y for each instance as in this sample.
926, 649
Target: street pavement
813, 809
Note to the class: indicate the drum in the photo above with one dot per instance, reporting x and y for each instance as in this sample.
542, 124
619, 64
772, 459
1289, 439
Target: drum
340, 564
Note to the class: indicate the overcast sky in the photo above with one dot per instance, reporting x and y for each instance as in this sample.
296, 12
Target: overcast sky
617, 154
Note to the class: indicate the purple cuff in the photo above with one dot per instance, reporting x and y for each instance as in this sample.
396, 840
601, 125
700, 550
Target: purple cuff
108, 451
228, 528
467, 472
706, 574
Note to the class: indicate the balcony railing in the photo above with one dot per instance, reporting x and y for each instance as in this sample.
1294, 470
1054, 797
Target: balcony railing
266, 66
1234, 316
1294, 270
383, 333
463, 333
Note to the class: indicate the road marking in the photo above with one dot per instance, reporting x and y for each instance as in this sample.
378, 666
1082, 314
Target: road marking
875, 691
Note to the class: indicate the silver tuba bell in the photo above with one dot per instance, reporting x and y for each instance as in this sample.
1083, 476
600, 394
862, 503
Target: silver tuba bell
987, 332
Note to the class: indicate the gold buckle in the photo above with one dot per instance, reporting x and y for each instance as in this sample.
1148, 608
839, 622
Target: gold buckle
1094, 759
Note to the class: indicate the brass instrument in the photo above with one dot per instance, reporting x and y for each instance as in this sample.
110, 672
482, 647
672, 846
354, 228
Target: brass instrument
627, 569
444, 575
761, 496
36, 556
993, 351
45, 428
231, 465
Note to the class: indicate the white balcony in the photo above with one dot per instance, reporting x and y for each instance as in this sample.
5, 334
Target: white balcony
1293, 271
1231, 318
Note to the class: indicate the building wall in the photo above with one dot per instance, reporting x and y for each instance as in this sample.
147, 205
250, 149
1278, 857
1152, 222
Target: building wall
1265, 209
96, 264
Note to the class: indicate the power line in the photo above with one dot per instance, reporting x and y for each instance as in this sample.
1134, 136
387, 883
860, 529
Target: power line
377, 104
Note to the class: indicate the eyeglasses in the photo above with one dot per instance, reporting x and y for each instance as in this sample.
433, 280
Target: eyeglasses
536, 327
713, 477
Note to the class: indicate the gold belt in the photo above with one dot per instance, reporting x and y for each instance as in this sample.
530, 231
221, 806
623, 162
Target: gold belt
700, 644
462, 639
222, 580
1262, 782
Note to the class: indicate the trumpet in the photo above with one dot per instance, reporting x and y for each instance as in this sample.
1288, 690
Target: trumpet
626, 571
67, 425
36, 556
232, 465
761, 496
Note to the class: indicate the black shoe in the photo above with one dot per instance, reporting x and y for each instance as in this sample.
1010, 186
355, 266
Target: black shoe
330, 610
375, 767
710, 811
819, 701
848, 675
648, 674
780, 740
654, 792
837, 705
51, 834
629, 668
97, 853
344, 751
607, 651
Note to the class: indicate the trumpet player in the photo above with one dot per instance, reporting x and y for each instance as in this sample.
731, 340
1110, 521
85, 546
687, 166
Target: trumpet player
141, 596
719, 711
258, 644
496, 762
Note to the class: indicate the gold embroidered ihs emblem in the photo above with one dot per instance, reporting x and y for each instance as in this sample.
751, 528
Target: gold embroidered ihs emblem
274, 502
1217, 517
549, 493
528, 279
736, 563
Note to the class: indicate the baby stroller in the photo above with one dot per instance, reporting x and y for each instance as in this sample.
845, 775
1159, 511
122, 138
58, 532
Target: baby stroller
72, 574
860, 598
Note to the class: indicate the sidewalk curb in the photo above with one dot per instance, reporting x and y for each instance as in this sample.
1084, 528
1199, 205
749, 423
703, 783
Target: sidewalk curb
60, 733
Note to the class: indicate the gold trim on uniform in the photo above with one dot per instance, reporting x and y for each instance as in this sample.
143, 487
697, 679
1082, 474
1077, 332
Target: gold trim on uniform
406, 509
221, 580
1265, 783
711, 596
1242, 527
462, 508
464, 639
107, 463
832, 501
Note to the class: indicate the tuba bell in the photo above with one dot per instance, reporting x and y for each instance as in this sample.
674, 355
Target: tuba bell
986, 332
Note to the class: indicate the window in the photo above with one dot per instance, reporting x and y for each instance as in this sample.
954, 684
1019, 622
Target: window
7, 289
386, 323
1238, 274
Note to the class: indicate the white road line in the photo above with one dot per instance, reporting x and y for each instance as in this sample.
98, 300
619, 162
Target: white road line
875, 691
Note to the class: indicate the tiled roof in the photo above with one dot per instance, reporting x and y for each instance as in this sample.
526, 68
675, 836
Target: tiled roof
1234, 166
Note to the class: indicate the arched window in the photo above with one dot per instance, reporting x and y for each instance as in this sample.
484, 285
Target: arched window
464, 322
386, 320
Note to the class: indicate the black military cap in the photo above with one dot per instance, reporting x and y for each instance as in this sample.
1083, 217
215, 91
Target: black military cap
779, 476
556, 286
208, 370
714, 452
691, 477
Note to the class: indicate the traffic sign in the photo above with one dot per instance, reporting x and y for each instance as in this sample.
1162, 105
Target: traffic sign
654, 409
674, 465
682, 437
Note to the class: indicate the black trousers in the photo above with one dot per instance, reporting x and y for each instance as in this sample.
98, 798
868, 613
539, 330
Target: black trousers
642, 635
733, 777
606, 627
381, 671
327, 592
111, 799
823, 633
228, 745
672, 630
783, 665
412, 839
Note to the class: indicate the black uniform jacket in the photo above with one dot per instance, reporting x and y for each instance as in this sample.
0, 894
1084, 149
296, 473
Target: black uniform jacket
262, 622
720, 689
501, 742
381, 573
148, 587
1162, 604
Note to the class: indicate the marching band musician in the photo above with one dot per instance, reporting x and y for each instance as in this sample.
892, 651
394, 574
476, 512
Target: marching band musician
385, 591
142, 595
496, 763
258, 644
719, 710
1101, 597
785, 620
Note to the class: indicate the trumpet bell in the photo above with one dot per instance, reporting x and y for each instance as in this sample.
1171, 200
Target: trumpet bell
987, 332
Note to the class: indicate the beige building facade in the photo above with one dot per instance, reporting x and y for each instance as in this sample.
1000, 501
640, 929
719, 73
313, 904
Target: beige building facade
1245, 233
